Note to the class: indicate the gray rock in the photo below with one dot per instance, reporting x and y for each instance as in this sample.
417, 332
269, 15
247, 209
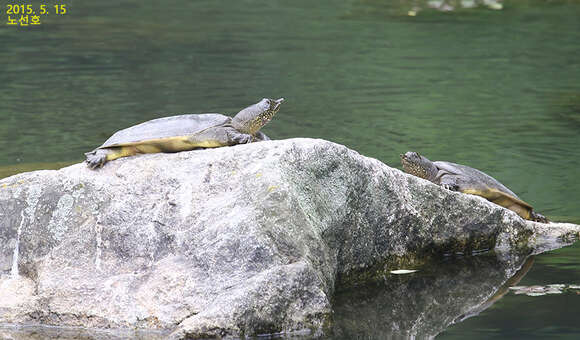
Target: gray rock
241, 240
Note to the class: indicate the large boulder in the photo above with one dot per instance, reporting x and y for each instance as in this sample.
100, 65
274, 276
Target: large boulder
242, 240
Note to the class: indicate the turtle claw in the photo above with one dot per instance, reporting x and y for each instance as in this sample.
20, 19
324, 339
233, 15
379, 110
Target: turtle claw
242, 138
538, 217
451, 187
96, 159
259, 137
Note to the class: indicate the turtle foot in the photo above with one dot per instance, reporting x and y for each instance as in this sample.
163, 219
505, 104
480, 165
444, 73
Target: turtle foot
96, 158
242, 138
451, 187
259, 137
538, 217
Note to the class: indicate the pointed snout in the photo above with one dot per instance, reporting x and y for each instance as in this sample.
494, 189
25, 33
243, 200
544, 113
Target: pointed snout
277, 104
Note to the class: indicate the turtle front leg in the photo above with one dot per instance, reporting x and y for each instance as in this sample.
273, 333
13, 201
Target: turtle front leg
96, 158
235, 137
534, 216
448, 182
260, 136
451, 187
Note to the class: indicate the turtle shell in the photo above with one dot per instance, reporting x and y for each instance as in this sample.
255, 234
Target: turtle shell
167, 127
475, 182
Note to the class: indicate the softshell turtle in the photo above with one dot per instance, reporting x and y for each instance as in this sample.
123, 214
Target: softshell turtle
468, 180
187, 132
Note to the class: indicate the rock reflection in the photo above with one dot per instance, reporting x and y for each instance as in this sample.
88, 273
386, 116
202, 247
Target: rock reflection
425, 303
554, 288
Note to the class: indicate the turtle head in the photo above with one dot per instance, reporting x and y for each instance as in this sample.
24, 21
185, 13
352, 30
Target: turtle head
415, 164
251, 119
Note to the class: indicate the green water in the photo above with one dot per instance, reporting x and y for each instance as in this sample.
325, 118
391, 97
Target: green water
496, 90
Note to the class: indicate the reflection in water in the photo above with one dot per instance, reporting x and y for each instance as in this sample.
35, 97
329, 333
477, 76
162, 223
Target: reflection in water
423, 304
503, 290
554, 288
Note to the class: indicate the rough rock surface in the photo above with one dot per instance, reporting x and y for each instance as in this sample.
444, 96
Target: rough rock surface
241, 240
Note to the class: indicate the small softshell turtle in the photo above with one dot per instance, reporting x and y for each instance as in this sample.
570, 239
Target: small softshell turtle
187, 132
468, 180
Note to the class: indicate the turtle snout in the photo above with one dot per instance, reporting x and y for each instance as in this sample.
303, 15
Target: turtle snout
276, 103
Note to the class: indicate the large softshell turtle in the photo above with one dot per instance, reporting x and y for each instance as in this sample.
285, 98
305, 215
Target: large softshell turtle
187, 132
468, 180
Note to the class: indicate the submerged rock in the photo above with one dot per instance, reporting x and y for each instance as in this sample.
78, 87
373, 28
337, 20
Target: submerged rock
243, 240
